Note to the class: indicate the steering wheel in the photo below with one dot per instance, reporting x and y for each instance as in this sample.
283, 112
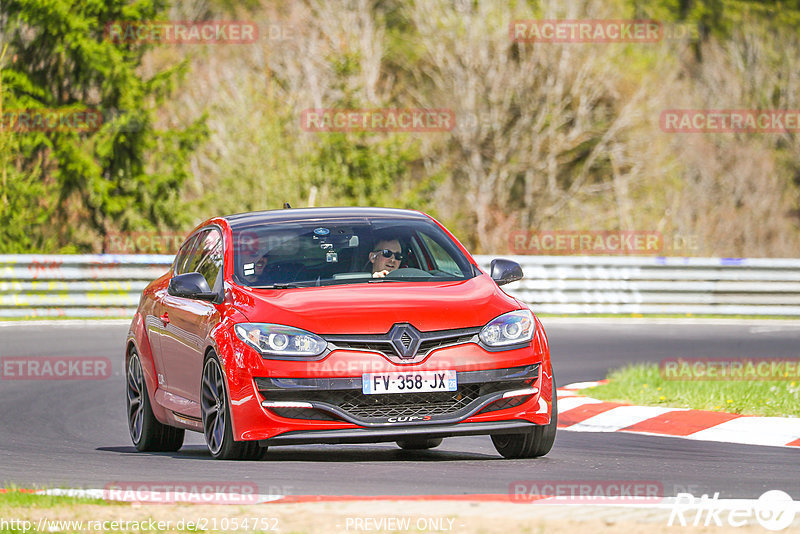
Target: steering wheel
409, 272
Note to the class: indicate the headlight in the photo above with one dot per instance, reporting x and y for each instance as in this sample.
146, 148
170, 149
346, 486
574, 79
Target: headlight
510, 328
280, 340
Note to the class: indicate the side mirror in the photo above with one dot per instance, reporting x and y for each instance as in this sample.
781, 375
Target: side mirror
505, 271
190, 286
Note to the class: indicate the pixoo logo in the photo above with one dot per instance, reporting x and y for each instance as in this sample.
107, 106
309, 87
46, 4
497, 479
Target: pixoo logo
775, 510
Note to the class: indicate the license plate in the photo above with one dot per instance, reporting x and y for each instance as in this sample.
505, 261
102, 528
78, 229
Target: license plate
415, 382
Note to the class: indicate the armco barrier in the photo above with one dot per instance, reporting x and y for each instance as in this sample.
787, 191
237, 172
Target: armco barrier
110, 285
76, 285
657, 285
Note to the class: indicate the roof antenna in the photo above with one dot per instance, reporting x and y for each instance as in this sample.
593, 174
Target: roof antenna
286, 206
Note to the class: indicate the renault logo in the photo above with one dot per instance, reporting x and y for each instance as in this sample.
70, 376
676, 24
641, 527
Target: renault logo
405, 340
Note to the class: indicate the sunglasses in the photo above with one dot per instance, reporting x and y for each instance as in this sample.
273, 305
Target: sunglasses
388, 254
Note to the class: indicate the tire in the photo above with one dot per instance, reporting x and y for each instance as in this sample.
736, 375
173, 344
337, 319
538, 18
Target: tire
216, 413
418, 444
533, 443
147, 433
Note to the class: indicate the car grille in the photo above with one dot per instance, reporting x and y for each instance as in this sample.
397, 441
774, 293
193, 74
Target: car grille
361, 406
502, 404
430, 345
429, 342
305, 413
407, 404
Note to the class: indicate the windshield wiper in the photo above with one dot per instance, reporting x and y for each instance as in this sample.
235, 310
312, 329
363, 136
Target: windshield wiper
404, 279
277, 286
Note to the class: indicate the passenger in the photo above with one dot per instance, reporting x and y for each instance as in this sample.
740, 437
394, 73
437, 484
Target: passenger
260, 264
258, 269
386, 257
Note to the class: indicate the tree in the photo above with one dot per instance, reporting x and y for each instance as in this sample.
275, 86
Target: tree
122, 176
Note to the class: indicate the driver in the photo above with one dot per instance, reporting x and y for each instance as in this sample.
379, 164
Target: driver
385, 257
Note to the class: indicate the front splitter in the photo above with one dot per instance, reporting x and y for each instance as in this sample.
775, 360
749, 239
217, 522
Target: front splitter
377, 435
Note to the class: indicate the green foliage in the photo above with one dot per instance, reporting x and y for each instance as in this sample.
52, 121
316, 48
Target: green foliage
65, 191
270, 172
721, 18
90, 182
351, 168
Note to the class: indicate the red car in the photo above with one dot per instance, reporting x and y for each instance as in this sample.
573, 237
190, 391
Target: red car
335, 325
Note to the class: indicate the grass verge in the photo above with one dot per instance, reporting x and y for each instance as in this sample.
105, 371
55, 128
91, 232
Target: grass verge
14, 497
642, 385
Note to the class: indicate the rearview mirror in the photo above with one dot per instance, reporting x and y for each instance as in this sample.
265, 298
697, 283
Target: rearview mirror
505, 271
190, 286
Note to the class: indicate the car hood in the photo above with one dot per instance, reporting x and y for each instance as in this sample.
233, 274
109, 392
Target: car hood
372, 308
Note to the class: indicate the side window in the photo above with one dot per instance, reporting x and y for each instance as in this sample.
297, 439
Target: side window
184, 254
194, 257
443, 260
207, 258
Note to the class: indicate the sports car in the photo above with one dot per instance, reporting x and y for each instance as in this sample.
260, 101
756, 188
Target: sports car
335, 325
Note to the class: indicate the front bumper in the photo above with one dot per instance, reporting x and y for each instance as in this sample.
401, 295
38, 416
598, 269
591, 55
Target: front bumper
252, 381
376, 435
341, 399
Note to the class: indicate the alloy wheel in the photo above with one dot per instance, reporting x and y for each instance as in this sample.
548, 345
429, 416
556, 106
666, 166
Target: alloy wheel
213, 406
135, 403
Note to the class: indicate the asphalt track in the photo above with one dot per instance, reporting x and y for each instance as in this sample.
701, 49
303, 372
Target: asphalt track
73, 433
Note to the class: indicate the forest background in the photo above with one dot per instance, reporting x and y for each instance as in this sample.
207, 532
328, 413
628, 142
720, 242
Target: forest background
557, 137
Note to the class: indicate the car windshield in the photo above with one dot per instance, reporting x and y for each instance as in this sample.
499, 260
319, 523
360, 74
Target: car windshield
339, 251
